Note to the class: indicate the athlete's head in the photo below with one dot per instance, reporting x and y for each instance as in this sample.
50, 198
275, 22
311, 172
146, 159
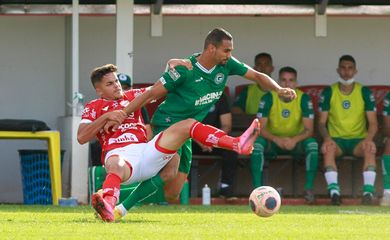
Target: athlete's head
288, 77
263, 63
106, 83
347, 69
219, 43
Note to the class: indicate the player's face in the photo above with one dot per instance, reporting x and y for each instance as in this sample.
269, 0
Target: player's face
110, 87
346, 70
223, 52
288, 80
264, 65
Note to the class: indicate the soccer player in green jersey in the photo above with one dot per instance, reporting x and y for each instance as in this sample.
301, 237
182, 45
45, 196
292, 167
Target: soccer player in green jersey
287, 128
385, 201
190, 94
348, 125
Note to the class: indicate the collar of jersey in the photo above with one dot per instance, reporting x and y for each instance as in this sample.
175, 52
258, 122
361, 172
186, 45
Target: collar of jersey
204, 69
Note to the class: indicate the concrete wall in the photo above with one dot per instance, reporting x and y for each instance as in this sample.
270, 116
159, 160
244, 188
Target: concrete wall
32, 60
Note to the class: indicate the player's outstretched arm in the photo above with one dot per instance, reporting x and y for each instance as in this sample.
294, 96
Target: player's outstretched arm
267, 83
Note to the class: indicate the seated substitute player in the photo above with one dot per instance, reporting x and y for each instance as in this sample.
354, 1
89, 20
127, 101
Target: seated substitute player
346, 110
190, 94
126, 154
385, 201
287, 128
248, 100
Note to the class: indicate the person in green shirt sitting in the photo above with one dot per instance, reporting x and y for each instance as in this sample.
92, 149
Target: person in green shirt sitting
348, 124
287, 128
248, 99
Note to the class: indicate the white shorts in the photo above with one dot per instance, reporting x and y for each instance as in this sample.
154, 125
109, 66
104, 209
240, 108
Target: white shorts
146, 161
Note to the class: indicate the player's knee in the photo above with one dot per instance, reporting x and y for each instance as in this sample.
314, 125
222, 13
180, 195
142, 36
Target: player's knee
328, 148
168, 173
115, 165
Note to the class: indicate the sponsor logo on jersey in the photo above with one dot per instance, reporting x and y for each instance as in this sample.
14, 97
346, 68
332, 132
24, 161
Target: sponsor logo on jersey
212, 109
168, 119
126, 137
219, 78
105, 109
208, 98
86, 112
346, 104
174, 74
93, 114
285, 113
125, 126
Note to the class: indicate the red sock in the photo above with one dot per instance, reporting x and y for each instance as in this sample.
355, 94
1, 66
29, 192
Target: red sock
212, 137
111, 188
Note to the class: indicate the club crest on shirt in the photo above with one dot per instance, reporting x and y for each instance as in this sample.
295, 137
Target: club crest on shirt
285, 113
346, 104
219, 78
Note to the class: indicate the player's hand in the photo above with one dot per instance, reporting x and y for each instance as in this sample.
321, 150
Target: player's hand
287, 94
111, 126
172, 63
369, 145
117, 116
328, 145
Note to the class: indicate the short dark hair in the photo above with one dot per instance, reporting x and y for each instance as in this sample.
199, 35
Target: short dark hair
263, 55
99, 72
216, 36
288, 69
348, 58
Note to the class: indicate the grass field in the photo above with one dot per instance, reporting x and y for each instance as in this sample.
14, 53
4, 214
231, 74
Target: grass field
196, 222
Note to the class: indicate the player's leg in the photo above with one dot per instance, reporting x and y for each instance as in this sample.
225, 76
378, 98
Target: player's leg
368, 152
118, 170
385, 201
310, 147
330, 152
257, 161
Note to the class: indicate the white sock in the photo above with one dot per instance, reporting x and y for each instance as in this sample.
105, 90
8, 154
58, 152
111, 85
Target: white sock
369, 177
122, 209
331, 177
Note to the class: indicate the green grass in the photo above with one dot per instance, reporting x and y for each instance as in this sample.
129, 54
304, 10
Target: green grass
196, 222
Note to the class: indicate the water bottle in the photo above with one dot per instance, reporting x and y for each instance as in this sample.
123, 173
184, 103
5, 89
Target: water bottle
185, 194
206, 195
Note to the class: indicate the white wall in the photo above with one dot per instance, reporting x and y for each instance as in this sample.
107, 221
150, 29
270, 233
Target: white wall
32, 59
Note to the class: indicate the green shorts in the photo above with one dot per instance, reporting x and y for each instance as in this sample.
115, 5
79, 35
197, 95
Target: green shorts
185, 152
347, 145
272, 150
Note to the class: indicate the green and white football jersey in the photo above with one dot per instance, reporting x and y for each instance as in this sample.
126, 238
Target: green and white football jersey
191, 93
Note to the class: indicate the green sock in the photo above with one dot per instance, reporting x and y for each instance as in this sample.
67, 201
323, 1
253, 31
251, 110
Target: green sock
311, 169
386, 171
257, 163
126, 191
144, 190
311, 151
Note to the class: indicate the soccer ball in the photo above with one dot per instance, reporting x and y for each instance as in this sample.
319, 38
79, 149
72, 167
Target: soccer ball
264, 201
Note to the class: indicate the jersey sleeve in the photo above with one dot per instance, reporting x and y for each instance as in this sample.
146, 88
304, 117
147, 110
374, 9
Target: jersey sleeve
240, 101
145, 115
265, 106
174, 77
89, 113
324, 105
369, 100
236, 67
386, 105
307, 107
